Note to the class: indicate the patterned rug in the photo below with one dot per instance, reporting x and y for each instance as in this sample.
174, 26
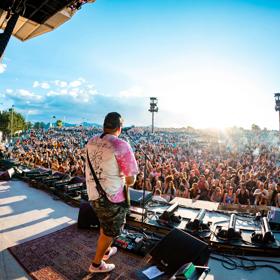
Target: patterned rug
66, 254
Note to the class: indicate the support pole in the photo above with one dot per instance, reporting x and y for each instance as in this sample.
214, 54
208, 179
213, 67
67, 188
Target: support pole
6, 35
153, 119
279, 123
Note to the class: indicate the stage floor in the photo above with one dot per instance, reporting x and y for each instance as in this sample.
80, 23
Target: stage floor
27, 213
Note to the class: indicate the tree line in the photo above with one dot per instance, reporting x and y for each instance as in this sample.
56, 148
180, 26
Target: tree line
12, 123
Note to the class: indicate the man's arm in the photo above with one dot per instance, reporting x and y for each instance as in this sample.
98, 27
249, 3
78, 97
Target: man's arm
256, 192
277, 200
130, 180
236, 201
248, 201
265, 194
127, 162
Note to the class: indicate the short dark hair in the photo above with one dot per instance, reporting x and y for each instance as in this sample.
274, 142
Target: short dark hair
112, 121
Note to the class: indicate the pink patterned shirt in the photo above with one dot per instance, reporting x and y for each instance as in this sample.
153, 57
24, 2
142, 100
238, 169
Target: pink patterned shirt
113, 160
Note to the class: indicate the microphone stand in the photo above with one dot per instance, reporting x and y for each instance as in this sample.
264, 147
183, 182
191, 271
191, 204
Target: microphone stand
145, 173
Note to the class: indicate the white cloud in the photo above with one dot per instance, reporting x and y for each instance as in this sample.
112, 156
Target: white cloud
33, 112
83, 80
3, 67
76, 83
63, 91
62, 100
43, 85
36, 84
74, 92
8, 90
26, 94
92, 91
52, 93
60, 83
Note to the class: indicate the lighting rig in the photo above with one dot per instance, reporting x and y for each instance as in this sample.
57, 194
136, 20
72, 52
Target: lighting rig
277, 105
265, 235
153, 109
168, 218
26, 19
229, 232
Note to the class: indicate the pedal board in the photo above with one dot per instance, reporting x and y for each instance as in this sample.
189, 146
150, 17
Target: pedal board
136, 242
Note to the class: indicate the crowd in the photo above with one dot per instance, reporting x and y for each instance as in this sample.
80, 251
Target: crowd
241, 167
59, 150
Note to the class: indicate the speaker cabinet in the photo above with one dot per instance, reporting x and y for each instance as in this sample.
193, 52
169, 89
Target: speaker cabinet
178, 248
87, 217
136, 197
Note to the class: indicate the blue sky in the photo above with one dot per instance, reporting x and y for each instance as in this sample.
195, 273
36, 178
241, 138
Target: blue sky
210, 63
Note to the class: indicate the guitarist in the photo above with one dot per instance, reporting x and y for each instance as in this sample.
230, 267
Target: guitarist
113, 162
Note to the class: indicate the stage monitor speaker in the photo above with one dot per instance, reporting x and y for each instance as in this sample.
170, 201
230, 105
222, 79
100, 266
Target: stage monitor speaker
178, 248
87, 217
136, 197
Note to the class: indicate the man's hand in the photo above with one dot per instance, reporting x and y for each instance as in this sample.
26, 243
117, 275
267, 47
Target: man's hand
130, 180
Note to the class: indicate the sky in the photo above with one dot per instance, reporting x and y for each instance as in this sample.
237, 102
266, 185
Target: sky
210, 64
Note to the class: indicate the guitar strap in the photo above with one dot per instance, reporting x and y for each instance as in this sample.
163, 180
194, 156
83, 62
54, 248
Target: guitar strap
99, 188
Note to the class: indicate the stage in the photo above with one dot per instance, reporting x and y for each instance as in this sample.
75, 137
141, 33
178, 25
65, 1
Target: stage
27, 213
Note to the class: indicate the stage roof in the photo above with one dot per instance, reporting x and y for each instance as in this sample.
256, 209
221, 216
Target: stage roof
38, 17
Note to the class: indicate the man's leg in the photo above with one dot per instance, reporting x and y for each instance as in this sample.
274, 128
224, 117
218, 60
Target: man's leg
103, 243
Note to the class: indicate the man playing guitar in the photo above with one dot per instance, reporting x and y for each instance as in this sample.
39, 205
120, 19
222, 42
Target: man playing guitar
110, 167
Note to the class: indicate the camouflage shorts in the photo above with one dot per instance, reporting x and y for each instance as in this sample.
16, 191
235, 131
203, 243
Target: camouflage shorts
111, 216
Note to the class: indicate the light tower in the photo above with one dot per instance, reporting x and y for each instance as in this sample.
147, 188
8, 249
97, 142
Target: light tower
277, 105
11, 110
54, 117
153, 109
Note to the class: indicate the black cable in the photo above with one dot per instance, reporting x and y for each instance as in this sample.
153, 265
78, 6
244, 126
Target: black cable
269, 266
248, 267
256, 260
225, 261
230, 264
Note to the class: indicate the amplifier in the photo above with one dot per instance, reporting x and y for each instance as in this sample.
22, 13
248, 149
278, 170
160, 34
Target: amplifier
73, 187
50, 179
37, 172
40, 176
32, 174
136, 197
62, 182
